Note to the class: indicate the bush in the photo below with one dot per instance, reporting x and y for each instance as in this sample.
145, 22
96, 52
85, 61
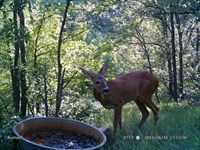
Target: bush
6, 131
79, 109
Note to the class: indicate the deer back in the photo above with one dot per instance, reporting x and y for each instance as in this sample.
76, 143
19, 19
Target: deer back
128, 87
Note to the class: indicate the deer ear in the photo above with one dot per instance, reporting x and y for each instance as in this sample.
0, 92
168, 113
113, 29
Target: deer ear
104, 68
87, 73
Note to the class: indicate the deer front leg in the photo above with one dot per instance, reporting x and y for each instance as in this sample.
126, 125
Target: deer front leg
120, 121
117, 119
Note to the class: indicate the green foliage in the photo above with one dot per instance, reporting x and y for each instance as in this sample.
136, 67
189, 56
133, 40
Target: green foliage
6, 133
6, 104
80, 109
192, 77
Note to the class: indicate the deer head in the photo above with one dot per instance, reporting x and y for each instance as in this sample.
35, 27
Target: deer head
99, 82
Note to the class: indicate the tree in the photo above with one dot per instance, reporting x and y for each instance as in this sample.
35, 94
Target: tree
180, 41
18, 68
15, 68
175, 17
61, 71
24, 98
173, 46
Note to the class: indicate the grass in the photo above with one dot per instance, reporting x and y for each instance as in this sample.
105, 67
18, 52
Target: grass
178, 129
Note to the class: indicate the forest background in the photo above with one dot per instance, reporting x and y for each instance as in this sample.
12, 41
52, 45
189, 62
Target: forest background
43, 44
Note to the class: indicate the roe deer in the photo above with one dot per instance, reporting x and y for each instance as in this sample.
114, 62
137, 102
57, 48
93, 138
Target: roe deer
113, 94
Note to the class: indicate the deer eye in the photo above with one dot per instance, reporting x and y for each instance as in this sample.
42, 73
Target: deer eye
97, 82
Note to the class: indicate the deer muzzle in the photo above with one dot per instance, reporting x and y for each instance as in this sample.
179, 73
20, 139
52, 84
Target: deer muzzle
106, 90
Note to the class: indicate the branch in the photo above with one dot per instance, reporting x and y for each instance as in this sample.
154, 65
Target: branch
69, 80
148, 43
75, 34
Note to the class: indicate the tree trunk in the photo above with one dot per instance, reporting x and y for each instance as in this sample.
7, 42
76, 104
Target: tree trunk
15, 69
175, 90
24, 99
169, 56
141, 39
146, 52
198, 41
60, 74
35, 63
45, 99
180, 39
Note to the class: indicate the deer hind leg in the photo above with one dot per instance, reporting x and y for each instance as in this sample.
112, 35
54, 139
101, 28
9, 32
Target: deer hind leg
144, 111
154, 109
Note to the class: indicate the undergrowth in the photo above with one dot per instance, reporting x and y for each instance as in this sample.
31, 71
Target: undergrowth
178, 129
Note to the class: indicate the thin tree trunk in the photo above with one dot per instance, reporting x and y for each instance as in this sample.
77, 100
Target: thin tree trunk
35, 64
170, 75
198, 41
30, 5
15, 69
45, 99
146, 52
180, 39
169, 56
175, 90
24, 98
60, 74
